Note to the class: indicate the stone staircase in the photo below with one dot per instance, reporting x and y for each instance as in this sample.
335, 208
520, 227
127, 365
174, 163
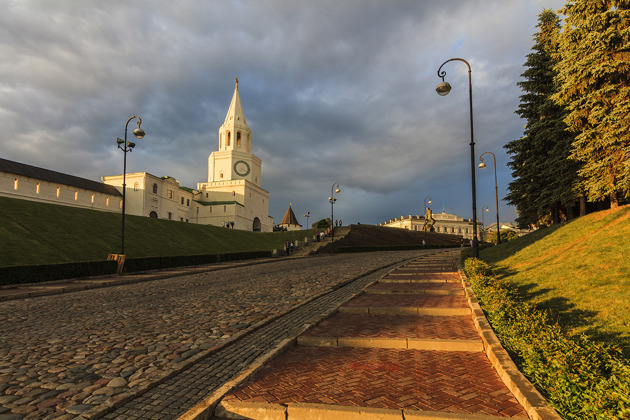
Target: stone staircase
309, 248
406, 348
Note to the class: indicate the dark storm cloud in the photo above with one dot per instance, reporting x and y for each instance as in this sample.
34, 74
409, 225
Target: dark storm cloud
333, 92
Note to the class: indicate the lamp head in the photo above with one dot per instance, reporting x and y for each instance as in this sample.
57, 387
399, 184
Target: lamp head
119, 140
131, 145
138, 132
443, 88
487, 210
430, 202
337, 190
482, 165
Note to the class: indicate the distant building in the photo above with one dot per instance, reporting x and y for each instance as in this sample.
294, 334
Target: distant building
444, 223
289, 221
233, 194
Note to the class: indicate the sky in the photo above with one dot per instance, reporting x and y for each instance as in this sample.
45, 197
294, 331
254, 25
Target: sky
333, 91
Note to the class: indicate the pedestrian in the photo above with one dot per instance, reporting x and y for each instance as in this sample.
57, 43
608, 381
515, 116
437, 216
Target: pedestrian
339, 222
287, 247
232, 224
224, 223
424, 244
292, 247
317, 235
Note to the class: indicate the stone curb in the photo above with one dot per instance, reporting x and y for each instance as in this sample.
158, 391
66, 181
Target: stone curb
308, 411
393, 343
432, 292
87, 283
532, 401
403, 310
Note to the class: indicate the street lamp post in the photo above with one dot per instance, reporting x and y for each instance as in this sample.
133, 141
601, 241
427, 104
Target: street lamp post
443, 88
126, 146
425, 203
496, 189
332, 200
483, 222
307, 215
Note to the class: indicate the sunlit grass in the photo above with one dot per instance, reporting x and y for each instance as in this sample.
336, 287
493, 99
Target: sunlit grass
579, 271
37, 233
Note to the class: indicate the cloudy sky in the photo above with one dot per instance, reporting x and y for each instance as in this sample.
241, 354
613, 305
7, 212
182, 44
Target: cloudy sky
333, 91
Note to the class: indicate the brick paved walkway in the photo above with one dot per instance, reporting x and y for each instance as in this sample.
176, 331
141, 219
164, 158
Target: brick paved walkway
156, 348
375, 358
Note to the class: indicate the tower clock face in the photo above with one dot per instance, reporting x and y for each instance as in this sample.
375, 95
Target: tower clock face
241, 168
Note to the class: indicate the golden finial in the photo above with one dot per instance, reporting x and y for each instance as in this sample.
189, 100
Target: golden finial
236, 79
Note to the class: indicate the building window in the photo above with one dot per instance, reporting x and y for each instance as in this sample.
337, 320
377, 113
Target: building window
136, 186
170, 194
466, 230
233, 193
92, 199
224, 209
37, 188
206, 195
181, 219
221, 174
15, 184
186, 220
58, 191
182, 201
153, 215
120, 204
188, 201
210, 209
107, 202
154, 188
170, 216
459, 230
76, 195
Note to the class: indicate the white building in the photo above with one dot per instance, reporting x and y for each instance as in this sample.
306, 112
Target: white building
232, 196
444, 223
26, 182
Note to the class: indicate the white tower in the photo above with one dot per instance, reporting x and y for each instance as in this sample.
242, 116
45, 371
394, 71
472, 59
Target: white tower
233, 192
234, 159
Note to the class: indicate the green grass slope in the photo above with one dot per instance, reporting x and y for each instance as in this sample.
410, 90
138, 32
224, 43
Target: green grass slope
37, 233
579, 271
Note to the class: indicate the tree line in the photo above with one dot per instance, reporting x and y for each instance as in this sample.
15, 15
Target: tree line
574, 155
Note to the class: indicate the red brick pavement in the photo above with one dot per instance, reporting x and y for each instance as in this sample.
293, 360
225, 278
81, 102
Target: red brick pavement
409, 275
414, 287
415, 301
396, 326
452, 382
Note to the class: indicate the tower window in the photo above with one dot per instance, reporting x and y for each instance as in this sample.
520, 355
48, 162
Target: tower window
154, 188
238, 139
227, 143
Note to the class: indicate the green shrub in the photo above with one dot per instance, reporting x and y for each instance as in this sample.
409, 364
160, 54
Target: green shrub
582, 379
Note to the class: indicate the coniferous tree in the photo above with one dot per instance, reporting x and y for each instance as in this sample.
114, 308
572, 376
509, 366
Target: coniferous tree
545, 180
594, 84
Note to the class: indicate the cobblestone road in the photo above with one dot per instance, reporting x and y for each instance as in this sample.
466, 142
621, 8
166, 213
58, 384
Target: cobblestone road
76, 354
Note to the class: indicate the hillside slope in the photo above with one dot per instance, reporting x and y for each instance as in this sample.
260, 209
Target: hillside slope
579, 271
38, 233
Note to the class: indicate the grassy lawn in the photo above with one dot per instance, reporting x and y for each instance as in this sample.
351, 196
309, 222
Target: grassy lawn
37, 233
579, 271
